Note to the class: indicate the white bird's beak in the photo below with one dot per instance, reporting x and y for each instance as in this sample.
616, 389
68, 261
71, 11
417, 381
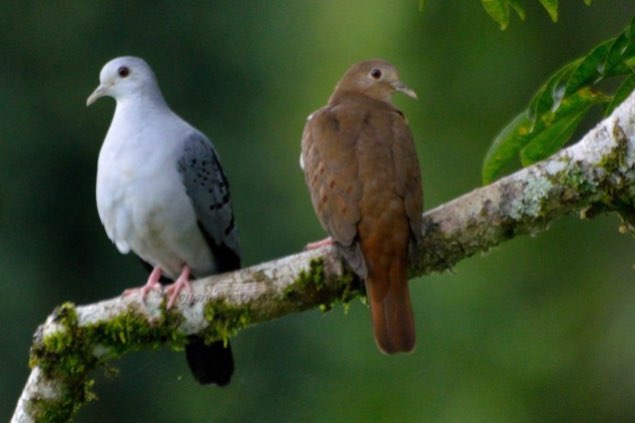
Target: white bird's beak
99, 92
402, 88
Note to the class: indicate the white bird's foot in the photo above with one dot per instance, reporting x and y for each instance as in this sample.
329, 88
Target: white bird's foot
152, 283
183, 281
318, 244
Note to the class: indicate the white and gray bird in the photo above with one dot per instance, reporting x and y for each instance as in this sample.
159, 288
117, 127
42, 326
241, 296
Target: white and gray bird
162, 194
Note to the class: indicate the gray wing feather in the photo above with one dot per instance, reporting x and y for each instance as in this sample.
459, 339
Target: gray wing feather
207, 187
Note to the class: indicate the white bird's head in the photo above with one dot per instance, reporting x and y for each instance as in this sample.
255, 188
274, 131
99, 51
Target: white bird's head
123, 78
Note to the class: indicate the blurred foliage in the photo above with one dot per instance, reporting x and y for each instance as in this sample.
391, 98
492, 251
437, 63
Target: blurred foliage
559, 106
539, 329
499, 10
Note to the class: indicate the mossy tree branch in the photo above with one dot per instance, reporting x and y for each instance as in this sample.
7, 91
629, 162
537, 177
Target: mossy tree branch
596, 174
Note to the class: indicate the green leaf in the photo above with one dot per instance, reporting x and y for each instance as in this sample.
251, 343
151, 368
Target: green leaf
422, 4
620, 95
556, 128
630, 36
614, 63
591, 69
560, 104
498, 10
551, 139
515, 4
551, 6
536, 140
506, 146
551, 92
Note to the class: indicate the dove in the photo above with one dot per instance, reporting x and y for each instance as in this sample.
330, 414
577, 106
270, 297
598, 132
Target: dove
364, 179
162, 194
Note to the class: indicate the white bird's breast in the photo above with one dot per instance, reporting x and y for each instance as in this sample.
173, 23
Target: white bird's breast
142, 202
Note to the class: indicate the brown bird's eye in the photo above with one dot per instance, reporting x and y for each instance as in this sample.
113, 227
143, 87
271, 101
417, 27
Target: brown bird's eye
123, 71
375, 73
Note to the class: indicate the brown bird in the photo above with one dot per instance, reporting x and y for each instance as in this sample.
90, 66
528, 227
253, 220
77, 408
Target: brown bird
363, 175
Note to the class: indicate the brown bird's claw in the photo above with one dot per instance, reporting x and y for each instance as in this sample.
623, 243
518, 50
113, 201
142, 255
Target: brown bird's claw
183, 282
152, 283
320, 243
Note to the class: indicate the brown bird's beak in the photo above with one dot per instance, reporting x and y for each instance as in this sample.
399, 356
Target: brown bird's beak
401, 87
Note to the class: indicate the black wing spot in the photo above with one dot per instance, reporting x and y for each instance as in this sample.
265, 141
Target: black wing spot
230, 227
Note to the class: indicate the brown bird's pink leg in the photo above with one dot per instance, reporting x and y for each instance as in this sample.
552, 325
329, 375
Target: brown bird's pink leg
321, 243
183, 281
152, 283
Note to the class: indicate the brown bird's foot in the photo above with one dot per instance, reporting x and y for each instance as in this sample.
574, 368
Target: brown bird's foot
183, 282
152, 283
320, 243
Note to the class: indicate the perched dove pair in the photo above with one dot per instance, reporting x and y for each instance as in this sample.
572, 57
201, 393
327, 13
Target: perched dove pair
162, 194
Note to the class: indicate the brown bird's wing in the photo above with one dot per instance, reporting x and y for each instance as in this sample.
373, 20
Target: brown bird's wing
407, 174
363, 175
329, 149
390, 207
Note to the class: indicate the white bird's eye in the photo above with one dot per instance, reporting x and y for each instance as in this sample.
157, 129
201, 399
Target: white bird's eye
123, 71
375, 74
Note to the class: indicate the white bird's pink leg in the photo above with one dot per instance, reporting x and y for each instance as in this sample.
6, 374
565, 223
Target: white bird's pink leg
152, 283
320, 243
183, 281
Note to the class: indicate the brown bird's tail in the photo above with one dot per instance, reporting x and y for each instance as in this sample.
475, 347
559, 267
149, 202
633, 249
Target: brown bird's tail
393, 321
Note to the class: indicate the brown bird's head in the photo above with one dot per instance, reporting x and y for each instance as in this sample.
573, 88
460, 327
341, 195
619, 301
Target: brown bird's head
376, 79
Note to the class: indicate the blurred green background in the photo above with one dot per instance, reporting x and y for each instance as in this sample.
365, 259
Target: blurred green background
539, 329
